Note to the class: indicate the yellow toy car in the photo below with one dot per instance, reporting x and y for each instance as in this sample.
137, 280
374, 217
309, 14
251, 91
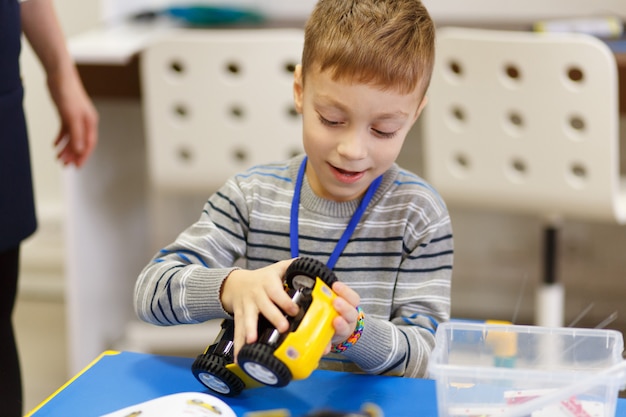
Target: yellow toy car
276, 358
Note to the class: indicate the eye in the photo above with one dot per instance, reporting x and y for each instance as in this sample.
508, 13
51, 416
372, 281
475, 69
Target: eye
327, 122
386, 135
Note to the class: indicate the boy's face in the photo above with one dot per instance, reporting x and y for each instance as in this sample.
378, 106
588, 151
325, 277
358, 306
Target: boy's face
352, 133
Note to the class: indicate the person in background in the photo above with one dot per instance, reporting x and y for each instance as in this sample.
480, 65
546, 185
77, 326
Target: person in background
386, 233
74, 143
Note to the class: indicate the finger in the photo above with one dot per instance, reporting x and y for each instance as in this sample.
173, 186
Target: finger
77, 135
60, 143
342, 328
274, 315
238, 339
64, 152
75, 144
346, 310
250, 322
245, 316
347, 293
284, 264
65, 156
91, 139
61, 137
276, 290
284, 302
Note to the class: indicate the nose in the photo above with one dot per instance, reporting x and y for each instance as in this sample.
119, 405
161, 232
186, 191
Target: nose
352, 145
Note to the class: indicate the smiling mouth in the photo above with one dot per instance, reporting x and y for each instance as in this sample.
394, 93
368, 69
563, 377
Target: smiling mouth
348, 173
347, 177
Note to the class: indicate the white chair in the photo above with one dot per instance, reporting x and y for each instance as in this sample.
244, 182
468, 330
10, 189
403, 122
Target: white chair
528, 123
217, 102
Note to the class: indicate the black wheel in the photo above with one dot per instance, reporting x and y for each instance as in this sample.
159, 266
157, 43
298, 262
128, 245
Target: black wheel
211, 371
258, 361
303, 271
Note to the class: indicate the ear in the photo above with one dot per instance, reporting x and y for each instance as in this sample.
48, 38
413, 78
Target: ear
298, 88
421, 107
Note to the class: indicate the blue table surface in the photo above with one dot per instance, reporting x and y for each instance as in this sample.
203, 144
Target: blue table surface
117, 380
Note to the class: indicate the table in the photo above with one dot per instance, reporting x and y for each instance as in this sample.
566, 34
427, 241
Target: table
117, 380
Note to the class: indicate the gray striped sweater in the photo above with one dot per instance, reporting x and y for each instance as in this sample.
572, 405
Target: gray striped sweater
399, 260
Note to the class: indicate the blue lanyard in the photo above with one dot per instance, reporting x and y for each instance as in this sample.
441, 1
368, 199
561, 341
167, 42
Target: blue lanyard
354, 221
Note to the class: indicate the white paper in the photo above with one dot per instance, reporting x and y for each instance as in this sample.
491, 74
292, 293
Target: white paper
185, 404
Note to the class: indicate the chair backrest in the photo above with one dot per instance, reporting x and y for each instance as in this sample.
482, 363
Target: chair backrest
217, 102
525, 122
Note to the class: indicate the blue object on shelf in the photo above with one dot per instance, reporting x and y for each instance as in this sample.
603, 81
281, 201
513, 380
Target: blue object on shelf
214, 16
617, 46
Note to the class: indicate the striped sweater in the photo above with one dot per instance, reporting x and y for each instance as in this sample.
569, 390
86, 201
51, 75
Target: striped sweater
399, 260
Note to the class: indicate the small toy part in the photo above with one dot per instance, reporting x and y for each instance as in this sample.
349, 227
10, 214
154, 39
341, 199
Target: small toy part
367, 410
281, 412
276, 358
504, 345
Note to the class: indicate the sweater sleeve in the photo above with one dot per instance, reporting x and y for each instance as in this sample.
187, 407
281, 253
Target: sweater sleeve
182, 282
402, 345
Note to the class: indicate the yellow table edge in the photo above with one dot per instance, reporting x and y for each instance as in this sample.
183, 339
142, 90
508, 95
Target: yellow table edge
85, 369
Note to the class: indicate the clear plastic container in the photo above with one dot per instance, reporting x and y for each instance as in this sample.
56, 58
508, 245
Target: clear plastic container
511, 370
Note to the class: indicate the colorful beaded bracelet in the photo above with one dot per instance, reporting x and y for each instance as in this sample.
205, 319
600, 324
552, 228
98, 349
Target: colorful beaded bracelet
354, 337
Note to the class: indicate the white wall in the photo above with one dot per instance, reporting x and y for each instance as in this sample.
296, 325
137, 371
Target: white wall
510, 11
515, 11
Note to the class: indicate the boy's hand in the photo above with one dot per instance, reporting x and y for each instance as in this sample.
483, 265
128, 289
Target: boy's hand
246, 294
346, 303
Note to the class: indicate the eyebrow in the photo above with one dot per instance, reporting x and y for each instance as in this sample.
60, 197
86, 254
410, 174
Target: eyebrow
325, 101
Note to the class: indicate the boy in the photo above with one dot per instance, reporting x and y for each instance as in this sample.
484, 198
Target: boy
365, 69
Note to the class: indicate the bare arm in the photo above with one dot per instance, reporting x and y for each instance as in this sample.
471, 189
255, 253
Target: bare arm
78, 133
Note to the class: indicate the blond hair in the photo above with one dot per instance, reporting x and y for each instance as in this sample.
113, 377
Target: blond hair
386, 43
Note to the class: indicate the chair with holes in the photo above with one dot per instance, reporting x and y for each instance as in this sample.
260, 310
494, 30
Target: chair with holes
217, 102
528, 123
